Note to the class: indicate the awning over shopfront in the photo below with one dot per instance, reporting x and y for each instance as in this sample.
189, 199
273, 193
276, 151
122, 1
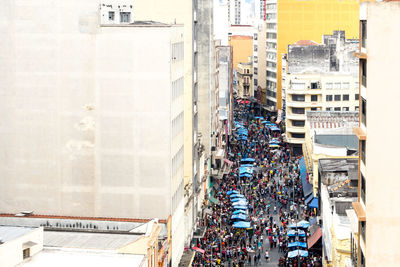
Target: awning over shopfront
314, 238
309, 199
314, 203
307, 188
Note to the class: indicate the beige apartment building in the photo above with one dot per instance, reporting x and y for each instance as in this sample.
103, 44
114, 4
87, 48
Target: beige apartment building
318, 77
377, 209
245, 80
93, 113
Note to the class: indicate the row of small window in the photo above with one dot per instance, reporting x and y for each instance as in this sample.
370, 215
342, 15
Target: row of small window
177, 125
177, 88
340, 109
124, 17
271, 26
271, 35
271, 6
271, 45
339, 97
177, 197
271, 56
303, 110
271, 16
177, 51
344, 85
177, 161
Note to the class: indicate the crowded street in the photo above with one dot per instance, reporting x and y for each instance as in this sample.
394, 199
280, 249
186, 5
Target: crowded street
258, 217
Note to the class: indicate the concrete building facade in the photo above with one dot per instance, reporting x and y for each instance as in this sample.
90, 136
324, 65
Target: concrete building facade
291, 20
376, 210
318, 77
245, 80
95, 121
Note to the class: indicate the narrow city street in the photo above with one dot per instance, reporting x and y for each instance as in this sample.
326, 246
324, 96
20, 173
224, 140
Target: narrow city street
257, 207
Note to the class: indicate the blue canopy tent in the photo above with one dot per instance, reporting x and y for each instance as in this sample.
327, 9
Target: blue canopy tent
302, 224
248, 160
230, 192
295, 253
294, 233
236, 195
297, 244
240, 207
258, 117
239, 217
274, 129
248, 175
314, 203
240, 203
240, 212
241, 225
309, 199
238, 199
246, 165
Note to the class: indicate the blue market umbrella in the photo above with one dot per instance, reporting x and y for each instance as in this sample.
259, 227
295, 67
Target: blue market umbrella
295, 253
294, 233
297, 244
239, 212
248, 159
239, 217
232, 192
238, 199
240, 207
240, 203
236, 196
241, 225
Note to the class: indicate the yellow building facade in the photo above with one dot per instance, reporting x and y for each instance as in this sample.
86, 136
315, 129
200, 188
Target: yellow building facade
242, 48
294, 20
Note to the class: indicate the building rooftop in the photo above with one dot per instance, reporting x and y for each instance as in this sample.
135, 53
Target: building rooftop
337, 140
332, 119
8, 233
81, 240
138, 23
306, 42
340, 175
67, 258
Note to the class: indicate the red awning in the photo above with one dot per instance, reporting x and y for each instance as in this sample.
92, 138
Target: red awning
314, 238
228, 162
202, 251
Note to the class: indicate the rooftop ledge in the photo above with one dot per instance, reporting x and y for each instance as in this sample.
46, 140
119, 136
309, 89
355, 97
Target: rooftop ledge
360, 55
361, 135
360, 212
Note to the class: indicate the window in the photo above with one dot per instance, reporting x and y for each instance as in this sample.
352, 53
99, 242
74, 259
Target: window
329, 98
255, 82
255, 37
111, 15
363, 230
247, 71
357, 108
271, 35
298, 135
338, 97
356, 97
255, 47
314, 85
298, 110
300, 98
255, 70
336, 86
329, 86
298, 123
345, 85
271, 64
363, 66
125, 17
345, 97
362, 260
363, 148
26, 253
337, 108
271, 74
328, 109
363, 33
346, 109
298, 86
313, 109
364, 111
314, 98
363, 189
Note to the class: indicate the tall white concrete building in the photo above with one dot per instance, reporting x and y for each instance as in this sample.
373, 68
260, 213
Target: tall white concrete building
93, 113
241, 12
318, 77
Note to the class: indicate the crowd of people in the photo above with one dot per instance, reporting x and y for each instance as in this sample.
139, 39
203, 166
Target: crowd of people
265, 177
